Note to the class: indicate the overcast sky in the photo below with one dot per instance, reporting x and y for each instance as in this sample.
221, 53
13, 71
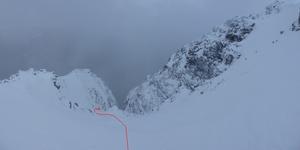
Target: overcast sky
120, 40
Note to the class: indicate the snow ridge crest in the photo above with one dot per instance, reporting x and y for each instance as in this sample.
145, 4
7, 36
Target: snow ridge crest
192, 66
78, 90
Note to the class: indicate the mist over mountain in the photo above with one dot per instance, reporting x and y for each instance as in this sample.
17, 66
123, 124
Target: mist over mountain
121, 41
236, 87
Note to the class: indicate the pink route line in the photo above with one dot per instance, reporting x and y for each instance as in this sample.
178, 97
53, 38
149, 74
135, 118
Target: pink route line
98, 111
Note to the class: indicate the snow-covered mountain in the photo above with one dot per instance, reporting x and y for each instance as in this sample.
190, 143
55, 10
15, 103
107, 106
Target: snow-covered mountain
236, 88
33, 115
84, 90
80, 89
194, 66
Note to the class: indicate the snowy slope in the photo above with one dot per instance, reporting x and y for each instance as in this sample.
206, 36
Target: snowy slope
79, 90
194, 66
83, 90
253, 105
33, 115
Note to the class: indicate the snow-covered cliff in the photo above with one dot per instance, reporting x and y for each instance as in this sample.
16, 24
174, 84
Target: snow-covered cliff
193, 67
84, 90
80, 89
245, 96
35, 112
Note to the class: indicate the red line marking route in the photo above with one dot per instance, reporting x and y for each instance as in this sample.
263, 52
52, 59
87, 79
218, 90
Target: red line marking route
98, 111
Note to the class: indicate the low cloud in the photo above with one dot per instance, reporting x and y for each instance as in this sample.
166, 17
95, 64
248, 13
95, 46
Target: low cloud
120, 40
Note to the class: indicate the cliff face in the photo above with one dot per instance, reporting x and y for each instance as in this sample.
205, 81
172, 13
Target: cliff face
193, 67
296, 24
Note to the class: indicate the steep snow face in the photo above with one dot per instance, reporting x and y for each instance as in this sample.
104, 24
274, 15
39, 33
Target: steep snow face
78, 90
33, 118
254, 105
194, 66
82, 89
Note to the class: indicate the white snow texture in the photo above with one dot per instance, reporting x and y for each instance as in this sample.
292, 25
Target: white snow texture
249, 101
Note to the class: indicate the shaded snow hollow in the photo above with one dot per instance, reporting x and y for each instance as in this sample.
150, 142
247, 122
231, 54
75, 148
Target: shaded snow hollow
253, 105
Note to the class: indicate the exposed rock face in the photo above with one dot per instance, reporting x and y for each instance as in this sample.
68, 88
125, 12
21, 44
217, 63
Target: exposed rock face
296, 24
299, 18
192, 66
274, 7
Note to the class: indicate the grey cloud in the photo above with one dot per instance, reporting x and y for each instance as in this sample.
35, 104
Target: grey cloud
120, 40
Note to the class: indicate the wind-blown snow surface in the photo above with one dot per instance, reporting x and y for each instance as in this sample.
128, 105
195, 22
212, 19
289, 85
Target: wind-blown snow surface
254, 105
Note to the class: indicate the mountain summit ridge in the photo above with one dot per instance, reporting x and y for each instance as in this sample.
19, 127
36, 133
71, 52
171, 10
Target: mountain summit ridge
78, 90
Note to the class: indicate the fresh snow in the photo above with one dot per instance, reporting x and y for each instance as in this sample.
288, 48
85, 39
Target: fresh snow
83, 90
194, 66
254, 105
